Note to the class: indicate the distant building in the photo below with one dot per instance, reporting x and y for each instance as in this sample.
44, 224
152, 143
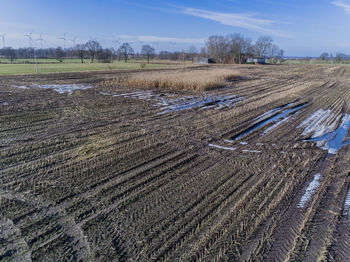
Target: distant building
200, 60
257, 60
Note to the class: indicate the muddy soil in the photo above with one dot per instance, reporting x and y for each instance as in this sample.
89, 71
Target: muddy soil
241, 173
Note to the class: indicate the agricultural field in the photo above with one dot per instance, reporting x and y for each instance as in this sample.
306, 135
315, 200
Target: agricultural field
73, 65
206, 163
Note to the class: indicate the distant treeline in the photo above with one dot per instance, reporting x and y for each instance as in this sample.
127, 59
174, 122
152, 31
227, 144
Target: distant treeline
233, 48
337, 58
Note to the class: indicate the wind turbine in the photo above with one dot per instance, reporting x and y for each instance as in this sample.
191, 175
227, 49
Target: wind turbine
41, 41
116, 43
73, 40
157, 43
140, 43
30, 43
64, 40
30, 38
3, 39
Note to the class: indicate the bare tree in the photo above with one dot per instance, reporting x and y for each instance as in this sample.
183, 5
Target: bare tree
192, 52
9, 53
273, 53
217, 47
80, 50
93, 46
59, 54
324, 56
147, 51
280, 55
239, 46
263, 46
126, 50
203, 52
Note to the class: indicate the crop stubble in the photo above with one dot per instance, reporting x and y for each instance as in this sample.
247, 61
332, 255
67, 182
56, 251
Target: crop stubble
90, 176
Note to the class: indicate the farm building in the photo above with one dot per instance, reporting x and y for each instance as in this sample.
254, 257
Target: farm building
203, 60
257, 60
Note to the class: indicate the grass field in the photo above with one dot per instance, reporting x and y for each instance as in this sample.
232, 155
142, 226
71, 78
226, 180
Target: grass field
16, 69
257, 170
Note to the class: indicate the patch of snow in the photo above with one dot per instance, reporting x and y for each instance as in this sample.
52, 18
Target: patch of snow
278, 116
268, 130
316, 123
271, 112
223, 147
228, 141
346, 210
243, 143
5, 104
251, 151
332, 138
21, 87
61, 89
259, 144
310, 191
206, 102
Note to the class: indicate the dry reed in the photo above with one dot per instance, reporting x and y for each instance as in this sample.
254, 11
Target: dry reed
194, 80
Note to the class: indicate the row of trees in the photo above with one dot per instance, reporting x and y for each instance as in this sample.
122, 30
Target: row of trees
233, 48
338, 58
236, 48
91, 49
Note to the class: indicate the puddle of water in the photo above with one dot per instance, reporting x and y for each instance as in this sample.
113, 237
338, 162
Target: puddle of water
222, 147
310, 191
333, 141
346, 210
61, 89
275, 117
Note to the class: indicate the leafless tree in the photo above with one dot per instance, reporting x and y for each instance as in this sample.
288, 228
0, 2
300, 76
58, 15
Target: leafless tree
263, 46
126, 50
59, 54
80, 50
147, 51
9, 53
324, 56
217, 47
239, 46
203, 52
192, 52
273, 53
93, 46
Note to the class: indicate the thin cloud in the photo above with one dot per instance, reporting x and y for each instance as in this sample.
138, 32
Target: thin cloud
246, 21
343, 5
148, 38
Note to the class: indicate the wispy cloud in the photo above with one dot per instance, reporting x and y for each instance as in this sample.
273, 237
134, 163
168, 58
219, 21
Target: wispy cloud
343, 5
246, 21
148, 38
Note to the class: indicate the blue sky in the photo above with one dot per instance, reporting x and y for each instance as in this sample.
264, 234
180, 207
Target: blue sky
300, 27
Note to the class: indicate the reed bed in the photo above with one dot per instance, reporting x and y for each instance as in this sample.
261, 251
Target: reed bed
194, 80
